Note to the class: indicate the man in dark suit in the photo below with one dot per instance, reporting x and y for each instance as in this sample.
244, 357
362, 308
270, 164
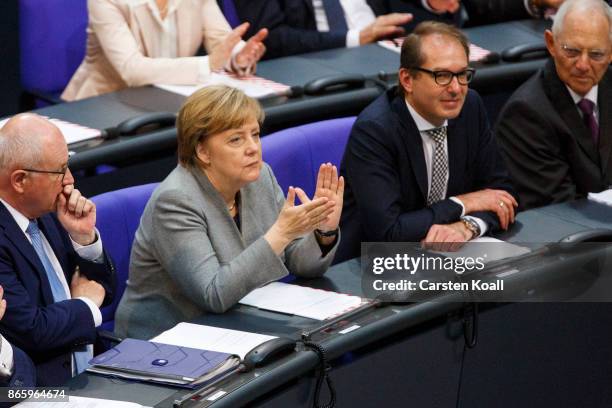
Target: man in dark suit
53, 268
467, 12
405, 179
555, 131
299, 26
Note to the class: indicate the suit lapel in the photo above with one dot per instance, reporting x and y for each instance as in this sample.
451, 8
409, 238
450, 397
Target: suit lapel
457, 155
142, 13
412, 143
604, 103
15, 235
564, 104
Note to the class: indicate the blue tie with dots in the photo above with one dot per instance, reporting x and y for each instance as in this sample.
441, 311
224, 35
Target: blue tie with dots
81, 358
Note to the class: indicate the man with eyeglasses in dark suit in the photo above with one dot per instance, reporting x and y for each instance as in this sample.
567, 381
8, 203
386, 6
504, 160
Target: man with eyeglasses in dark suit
420, 163
556, 130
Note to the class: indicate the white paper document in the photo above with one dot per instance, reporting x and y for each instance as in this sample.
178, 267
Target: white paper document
476, 53
605, 197
211, 338
253, 86
80, 402
490, 249
72, 132
301, 301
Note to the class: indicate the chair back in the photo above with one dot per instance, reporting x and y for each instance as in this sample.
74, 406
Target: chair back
52, 42
295, 154
118, 217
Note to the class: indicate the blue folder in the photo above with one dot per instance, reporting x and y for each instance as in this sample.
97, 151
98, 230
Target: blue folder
163, 363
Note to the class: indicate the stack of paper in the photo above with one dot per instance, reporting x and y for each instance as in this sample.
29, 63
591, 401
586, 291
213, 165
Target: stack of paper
72, 132
301, 301
253, 86
212, 338
476, 53
605, 197
488, 249
79, 402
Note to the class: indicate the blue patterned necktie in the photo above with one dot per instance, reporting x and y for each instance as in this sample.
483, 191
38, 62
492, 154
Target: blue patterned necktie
335, 15
80, 357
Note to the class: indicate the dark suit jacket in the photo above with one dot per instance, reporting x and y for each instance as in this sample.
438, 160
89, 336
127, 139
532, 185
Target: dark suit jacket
474, 12
547, 147
24, 373
47, 331
386, 177
292, 26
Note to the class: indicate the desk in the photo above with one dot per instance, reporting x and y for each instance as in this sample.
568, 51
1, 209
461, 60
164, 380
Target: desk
150, 156
549, 354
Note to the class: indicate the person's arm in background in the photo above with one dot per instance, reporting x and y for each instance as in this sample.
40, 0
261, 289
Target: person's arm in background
291, 31
16, 368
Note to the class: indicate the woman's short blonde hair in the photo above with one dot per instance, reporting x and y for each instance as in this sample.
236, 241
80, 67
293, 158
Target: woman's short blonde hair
211, 110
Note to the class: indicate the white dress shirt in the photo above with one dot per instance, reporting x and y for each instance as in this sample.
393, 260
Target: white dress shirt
358, 15
6, 358
423, 125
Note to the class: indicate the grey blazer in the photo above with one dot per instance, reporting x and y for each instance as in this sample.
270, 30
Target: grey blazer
189, 257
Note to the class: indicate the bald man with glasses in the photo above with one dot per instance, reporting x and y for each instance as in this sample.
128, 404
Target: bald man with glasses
420, 163
555, 131
53, 268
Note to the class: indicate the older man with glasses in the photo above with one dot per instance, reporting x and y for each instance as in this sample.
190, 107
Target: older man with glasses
420, 163
53, 268
555, 131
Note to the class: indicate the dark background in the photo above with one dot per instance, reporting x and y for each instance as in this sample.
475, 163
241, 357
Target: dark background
10, 86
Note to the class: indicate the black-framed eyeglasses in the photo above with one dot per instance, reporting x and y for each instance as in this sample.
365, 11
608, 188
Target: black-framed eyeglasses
444, 78
594, 55
62, 172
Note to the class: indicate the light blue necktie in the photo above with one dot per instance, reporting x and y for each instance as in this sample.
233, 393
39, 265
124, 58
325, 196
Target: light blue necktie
81, 357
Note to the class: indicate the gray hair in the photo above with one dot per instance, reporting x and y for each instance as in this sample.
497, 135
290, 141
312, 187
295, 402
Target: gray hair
19, 150
592, 6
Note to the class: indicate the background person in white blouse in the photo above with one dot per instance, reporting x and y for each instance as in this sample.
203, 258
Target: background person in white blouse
141, 42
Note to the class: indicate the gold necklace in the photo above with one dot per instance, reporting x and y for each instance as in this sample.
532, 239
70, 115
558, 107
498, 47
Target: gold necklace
231, 207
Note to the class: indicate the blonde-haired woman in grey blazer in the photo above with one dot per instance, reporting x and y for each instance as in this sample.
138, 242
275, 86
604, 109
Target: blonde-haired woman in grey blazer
219, 225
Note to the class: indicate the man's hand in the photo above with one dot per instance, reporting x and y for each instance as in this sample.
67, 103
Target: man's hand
446, 237
83, 287
499, 201
384, 27
77, 215
444, 6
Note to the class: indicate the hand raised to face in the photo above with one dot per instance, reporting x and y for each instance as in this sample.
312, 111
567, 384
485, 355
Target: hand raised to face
77, 215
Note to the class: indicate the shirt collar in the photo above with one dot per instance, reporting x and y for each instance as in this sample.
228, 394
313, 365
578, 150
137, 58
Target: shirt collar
591, 95
422, 123
21, 220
